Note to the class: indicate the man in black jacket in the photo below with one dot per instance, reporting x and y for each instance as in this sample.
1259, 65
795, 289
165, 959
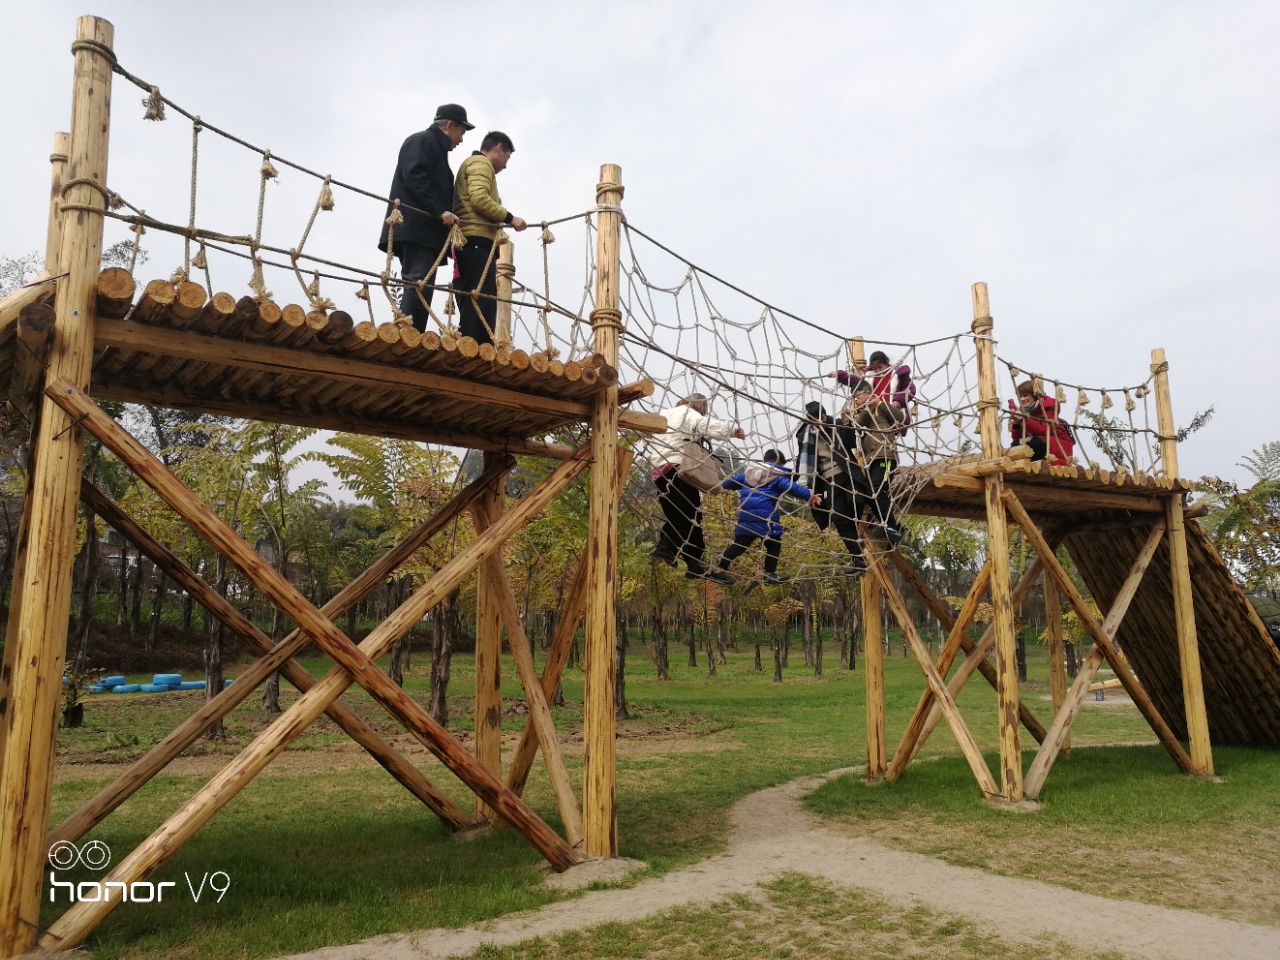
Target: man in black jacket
423, 183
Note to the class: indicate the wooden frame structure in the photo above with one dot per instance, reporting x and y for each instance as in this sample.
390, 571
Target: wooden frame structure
170, 344
1072, 507
96, 336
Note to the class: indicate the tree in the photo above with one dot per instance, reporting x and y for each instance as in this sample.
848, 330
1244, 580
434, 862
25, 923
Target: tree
1245, 524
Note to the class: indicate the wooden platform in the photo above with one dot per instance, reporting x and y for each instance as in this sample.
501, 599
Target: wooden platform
1050, 494
177, 347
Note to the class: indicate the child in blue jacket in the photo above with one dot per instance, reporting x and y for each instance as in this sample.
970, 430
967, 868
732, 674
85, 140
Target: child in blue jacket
761, 486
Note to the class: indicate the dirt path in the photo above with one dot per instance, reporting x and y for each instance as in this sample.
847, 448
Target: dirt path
772, 833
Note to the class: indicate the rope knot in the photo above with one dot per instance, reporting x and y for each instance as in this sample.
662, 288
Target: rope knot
982, 325
200, 261
395, 218
268, 171
154, 104
606, 317
178, 276
547, 236
326, 196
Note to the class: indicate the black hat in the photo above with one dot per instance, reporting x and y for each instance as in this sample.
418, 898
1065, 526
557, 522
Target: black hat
879, 356
455, 112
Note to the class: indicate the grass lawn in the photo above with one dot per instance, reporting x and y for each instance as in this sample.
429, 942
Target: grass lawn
325, 848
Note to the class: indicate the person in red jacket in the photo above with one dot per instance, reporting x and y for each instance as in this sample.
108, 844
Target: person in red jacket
1034, 421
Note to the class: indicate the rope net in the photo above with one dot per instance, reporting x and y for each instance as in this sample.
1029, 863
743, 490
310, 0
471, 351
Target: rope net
762, 369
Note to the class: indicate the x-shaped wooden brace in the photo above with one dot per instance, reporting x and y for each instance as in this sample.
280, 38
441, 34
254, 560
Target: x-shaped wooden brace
275, 656
354, 663
957, 639
1104, 647
947, 703
976, 660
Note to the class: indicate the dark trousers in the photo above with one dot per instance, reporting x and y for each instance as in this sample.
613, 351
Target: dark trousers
865, 494
1038, 448
415, 260
478, 316
823, 512
772, 551
681, 534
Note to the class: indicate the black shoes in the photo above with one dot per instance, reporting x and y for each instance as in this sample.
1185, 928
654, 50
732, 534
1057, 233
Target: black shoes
773, 579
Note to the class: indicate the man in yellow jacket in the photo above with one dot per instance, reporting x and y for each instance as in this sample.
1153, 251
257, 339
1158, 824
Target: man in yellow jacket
478, 206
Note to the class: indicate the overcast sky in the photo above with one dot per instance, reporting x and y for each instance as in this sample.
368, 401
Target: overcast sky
1111, 170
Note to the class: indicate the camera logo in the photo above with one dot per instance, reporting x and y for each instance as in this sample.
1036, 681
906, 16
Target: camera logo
64, 855
96, 855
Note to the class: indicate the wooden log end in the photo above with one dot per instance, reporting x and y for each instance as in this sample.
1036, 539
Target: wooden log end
115, 290
467, 347
338, 328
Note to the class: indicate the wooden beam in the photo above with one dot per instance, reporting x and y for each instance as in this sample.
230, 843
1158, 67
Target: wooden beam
1064, 498
599, 757
1063, 718
142, 770
1139, 696
349, 423
940, 610
1057, 653
12, 305
504, 603
968, 746
29, 713
266, 358
977, 657
34, 334
487, 702
873, 668
1184, 610
956, 629
71, 928
571, 611
1007, 696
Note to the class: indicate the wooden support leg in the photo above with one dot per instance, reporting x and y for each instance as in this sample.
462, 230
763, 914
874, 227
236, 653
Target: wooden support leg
504, 602
1118, 663
1007, 695
1184, 612
79, 920
902, 756
977, 656
940, 610
968, 746
29, 713
159, 756
1065, 716
1057, 655
873, 664
570, 615
488, 682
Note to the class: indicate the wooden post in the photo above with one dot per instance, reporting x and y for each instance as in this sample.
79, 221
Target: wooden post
43, 594
488, 698
1057, 652
599, 760
505, 273
53, 240
873, 664
998, 551
1184, 610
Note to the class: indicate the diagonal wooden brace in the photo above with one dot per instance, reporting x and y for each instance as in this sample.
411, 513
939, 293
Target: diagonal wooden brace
539, 712
79, 920
572, 610
159, 756
978, 656
944, 615
1139, 696
1061, 726
957, 628
968, 745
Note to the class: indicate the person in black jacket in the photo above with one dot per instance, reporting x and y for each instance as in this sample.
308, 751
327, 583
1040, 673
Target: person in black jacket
423, 183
